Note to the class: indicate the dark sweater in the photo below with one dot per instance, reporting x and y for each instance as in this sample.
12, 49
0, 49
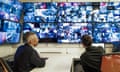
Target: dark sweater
26, 58
91, 59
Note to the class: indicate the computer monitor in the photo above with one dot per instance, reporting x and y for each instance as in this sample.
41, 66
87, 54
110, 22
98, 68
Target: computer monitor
10, 32
72, 32
99, 44
45, 31
73, 12
11, 12
106, 32
116, 46
106, 12
40, 12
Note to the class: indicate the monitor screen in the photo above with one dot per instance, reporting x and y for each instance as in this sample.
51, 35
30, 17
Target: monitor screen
72, 32
106, 32
29, 9
34, 27
74, 12
48, 30
106, 12
116, 46
10, 12
45, 31
99, 44
10, 32
40, 12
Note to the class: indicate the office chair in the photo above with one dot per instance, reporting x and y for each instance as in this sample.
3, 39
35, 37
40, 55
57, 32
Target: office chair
110, 62
77, 67
4, 67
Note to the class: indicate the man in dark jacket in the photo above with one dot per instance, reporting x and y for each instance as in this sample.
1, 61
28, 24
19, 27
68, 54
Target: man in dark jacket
91, 58
26, 58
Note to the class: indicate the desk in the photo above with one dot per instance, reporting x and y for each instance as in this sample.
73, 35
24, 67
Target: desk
56, 63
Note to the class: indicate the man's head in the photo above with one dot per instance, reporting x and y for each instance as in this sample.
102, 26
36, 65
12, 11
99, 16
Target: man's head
30, 38
86, 40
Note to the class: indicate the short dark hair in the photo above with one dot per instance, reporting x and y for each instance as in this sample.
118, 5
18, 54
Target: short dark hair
26, 36
86, 40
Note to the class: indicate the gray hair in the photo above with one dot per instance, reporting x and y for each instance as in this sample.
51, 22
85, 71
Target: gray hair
28, 36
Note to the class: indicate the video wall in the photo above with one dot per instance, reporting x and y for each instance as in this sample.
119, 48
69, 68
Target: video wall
72, 12
66, 22
60, 22
10, 27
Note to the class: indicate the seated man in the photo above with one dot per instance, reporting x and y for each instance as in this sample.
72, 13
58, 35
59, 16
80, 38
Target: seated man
26, 58
91, 58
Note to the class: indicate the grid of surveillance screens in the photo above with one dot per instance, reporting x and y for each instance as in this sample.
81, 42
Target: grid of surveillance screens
66, 22
9, 32
62, 32
72, 12
10, 10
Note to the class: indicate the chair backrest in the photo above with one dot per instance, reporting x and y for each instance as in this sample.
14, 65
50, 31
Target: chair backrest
4, 66
76, 66
110, 62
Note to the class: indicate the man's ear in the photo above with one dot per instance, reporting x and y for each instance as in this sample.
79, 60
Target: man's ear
31, 41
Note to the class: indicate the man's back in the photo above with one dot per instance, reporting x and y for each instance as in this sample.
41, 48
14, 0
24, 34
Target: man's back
91, 59
26, 58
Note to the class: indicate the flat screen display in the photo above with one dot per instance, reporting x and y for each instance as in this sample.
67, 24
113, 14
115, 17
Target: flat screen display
10, 32
106, 32
72, 32
74, 12
116, 46
106, 12
99, 44
10, 12
40, 12
45, 31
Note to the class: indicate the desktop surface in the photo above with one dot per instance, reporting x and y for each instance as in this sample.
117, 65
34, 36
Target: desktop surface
56, 63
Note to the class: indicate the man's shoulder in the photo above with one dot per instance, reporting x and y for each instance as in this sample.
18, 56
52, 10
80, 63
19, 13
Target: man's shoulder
21, 46
97, 47
24, 47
